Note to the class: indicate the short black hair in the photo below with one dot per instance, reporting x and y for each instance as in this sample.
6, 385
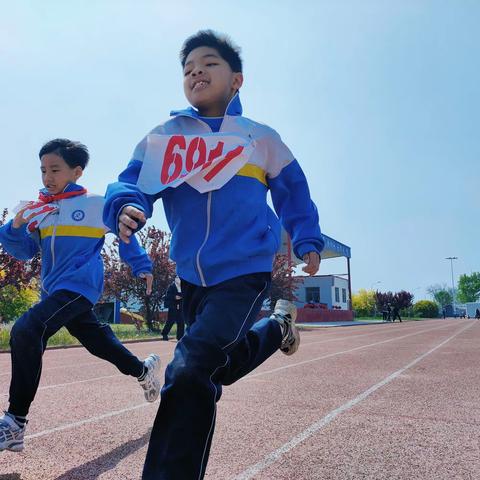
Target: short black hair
74, 153
222, 43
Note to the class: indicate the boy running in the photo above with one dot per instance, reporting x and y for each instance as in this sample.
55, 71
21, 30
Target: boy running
212, 168
66, 226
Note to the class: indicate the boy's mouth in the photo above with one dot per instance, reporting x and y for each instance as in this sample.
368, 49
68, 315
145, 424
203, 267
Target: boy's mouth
199, 85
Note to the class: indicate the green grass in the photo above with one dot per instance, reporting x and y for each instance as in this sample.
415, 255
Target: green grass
63, 338
379, 317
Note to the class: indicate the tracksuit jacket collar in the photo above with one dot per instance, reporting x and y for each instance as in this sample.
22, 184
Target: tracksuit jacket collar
234, 108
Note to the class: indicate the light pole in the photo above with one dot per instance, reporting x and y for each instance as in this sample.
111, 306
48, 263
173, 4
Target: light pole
453, 283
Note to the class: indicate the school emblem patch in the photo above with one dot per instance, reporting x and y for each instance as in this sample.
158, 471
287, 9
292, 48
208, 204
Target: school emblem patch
78, 215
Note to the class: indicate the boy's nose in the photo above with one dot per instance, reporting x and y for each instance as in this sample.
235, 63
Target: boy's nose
197, 71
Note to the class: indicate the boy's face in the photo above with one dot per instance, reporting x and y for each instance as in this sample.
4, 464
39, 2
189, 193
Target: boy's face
57, 174
209, 82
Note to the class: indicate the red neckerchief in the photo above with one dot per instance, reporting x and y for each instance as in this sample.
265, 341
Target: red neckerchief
42, 208
47, 198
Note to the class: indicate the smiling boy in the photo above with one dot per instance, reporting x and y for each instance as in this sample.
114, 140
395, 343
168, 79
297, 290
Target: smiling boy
66, 226
212, 167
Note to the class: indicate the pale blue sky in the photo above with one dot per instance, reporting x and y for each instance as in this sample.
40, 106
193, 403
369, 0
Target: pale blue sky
378, 100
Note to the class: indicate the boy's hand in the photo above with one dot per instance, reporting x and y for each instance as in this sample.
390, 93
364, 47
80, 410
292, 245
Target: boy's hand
128, 222
312, 260
149, 279
18, 221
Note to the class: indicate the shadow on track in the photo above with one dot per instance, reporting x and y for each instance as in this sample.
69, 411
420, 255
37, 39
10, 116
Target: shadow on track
93, 469
11, 476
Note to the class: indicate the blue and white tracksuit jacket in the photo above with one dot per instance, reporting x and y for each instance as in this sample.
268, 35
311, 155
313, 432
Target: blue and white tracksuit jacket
71, 241
231, 231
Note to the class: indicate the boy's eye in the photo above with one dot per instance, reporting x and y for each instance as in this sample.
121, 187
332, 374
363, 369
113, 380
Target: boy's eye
211, 64
187, 72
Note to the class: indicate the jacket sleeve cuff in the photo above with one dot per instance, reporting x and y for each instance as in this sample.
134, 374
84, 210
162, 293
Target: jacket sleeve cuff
135, 205
304, 248
16, 233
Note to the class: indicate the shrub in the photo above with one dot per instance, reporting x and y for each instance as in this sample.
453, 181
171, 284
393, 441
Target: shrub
363, 302
425, 309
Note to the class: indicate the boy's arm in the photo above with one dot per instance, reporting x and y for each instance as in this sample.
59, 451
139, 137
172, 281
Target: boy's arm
138, 260
125, 193
297, 213
17, 242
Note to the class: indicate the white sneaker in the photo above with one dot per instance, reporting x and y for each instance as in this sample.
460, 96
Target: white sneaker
285, 313
151, 382
11, 434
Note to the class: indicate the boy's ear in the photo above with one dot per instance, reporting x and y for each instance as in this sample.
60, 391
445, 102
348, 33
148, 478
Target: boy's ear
237, 80
78, 172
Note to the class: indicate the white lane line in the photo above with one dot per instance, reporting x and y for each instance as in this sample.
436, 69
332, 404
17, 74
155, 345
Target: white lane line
330, 355
72, 365
119, 412
47, 387
347, 337
79, 365
93, 379
69, 426
271, 458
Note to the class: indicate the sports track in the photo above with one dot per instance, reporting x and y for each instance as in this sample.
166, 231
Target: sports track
389, 401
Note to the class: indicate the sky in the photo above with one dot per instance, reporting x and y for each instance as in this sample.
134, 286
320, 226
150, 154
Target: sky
378, 100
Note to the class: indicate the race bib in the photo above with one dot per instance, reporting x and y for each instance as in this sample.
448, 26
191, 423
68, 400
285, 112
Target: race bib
205, 162
38, 211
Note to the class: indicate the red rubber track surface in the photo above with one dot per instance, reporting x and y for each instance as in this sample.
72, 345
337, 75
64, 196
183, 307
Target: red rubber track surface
389, 401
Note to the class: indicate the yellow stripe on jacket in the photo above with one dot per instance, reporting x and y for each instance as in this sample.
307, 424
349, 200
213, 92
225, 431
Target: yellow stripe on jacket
250, 170
72, 231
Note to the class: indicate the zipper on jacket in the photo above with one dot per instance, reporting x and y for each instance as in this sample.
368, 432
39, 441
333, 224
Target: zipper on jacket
52, 241
207, 233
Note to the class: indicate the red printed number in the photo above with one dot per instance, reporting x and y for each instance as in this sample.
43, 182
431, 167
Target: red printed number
172, 158
196, 156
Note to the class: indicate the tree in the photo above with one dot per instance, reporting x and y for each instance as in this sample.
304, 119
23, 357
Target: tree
119, 281
468, 287
441, 294
402, 300
284, 283
363, 302
425, 309
13, 302
382, 299
16, 273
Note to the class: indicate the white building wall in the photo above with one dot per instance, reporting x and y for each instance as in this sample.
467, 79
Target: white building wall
327, 285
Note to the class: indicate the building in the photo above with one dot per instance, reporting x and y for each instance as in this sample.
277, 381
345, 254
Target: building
329, 290
332, 290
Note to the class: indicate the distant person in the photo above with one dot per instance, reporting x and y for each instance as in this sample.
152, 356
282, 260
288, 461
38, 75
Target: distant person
389, 313
477, 313
444, 312
173, 301
396, 313
384, 313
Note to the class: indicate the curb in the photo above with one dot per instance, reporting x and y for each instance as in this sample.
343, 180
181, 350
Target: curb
62, 347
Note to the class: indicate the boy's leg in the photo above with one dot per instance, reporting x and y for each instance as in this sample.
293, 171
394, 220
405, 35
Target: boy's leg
28, 340
168, 324
99, 339
218, 317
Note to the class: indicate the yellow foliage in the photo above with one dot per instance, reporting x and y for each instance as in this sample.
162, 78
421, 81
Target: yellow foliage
363, 302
